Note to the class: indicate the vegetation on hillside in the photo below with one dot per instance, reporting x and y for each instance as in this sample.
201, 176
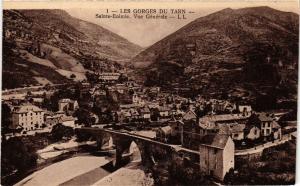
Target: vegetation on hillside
230, 51
276, 166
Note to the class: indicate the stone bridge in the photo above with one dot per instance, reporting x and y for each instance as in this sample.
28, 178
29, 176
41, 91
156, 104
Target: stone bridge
151, 151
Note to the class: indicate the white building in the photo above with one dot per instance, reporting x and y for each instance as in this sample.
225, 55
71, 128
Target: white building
216, 155
28, 117
109, 76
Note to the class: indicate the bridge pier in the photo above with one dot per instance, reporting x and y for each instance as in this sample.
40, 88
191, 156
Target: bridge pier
152, 152
146, 154
121, 145
103, 140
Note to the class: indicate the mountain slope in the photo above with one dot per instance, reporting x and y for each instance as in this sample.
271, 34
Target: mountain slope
237, 52
61, 43
107, 43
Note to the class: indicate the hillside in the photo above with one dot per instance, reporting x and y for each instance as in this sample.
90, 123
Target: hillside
241, 53
63, 44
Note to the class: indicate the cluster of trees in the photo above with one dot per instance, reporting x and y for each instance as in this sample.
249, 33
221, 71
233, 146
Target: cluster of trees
60, 131
16, 156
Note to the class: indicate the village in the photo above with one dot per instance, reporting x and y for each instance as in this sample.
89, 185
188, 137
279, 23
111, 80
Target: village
220, 130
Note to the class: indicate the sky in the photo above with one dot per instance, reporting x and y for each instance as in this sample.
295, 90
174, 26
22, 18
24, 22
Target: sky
146, 32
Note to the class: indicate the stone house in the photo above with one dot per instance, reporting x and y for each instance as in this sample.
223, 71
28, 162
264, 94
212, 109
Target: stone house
190, 134
216, 155
52, 119
276, 129
164, 111
207, 128
265, 124
67, 105
145, 113
189, 115
67, 121
134, 114
124, 116
246, 109
174, 137
234, 130
225, 118
269, 128
251, 132
163, 134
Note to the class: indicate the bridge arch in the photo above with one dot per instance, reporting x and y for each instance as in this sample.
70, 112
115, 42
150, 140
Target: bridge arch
135, 152
105, 141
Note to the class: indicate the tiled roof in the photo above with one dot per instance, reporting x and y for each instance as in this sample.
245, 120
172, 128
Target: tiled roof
66, 101
215, 140
189, 115
26, 108
264, 117
207, 125
231, 128
224, 117
67, 118
145, 110
166, 129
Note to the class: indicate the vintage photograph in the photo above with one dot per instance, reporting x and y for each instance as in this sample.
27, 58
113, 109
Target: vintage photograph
171, 95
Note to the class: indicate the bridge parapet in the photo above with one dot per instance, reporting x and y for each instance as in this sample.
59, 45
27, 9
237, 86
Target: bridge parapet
151, 151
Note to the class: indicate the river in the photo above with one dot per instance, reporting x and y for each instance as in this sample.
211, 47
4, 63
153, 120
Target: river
90, 169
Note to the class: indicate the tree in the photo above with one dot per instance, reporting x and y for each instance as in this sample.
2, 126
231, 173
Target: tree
84, 117
73, 76
17, 156
202, 112
122, 78
6, 120
59, 131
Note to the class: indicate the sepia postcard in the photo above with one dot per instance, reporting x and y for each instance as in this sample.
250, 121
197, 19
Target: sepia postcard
149, 93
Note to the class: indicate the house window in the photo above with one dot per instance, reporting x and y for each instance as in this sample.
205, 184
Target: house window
215, 151
236, 135
268, 131
269, 124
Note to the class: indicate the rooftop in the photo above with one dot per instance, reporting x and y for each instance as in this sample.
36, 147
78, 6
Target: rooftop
26, 108
215, 140
223, 117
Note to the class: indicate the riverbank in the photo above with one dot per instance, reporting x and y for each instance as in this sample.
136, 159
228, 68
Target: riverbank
59, 148
132, 174
63, 171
